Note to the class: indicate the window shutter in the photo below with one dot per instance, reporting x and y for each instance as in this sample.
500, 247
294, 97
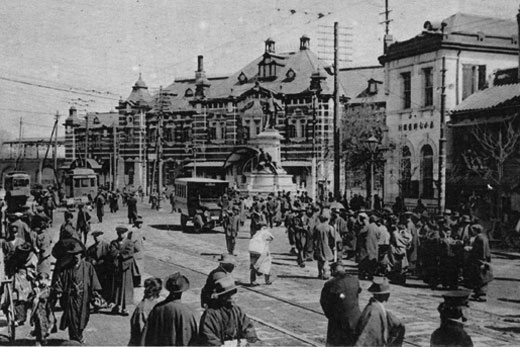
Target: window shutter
482, 77
467, 81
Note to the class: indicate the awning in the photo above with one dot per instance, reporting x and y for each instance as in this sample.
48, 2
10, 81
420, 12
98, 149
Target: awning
480, 120
296, 163
241, 154
205, 164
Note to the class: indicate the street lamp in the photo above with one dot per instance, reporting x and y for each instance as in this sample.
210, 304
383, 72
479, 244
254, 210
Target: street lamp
372, 144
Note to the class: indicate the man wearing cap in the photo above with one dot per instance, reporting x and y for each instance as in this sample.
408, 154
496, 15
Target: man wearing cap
83, 222
98, 254
340, 303
324, 243
377, 326
67, 229
225, 321
132, 208
122, 251
100, 205
136, 236
232, 229
226, 266
171, 323
300, 234
452, 312
310, 219
479, 267
369, 249
74, 286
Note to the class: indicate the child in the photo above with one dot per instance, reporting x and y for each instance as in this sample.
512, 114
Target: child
152, 290
42, 316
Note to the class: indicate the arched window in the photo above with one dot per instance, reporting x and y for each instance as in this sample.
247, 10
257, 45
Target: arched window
186, 134
427, 171
291, 131
406, 172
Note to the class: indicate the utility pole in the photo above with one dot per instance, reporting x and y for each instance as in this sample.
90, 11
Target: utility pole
518, 27
19, 145
314, 169
55, 166
442, 141
42, 163
335, 126
86, 139
114, 161
386, 22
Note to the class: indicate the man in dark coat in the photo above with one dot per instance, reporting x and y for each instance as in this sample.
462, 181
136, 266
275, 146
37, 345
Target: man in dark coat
122, 251
75, 285
300, 236
340, 303
232, 228
226, 266
83, 222
98, 254
132, 208
225, 321
480, 273
451, 332
100, 206
369, 251
324, 242
171, 323
67, 230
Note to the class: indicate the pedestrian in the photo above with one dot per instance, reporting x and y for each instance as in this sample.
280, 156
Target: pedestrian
451, 333
225, 323
122, 251
300, 235
132, 208
226, 266
171, 322
83, 222
80, 275
324, 243
98, 254
172, 200
42, 315
260, 255
100, 205
152, 291
377, 326
136, 236
21, 230
44, 246
67, 229
288, 223
232, 229
114, 201
368, 249
479, 258
340, 303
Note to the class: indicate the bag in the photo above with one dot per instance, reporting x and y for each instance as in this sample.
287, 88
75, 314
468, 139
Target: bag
256, 245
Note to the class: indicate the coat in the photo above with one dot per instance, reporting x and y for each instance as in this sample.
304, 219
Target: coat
369, 247
99, 255
225, 323
450, 334
132, 207
324, 241
339, 301
122, 252
378, 327
67, 231
480, 272
170, 323
76, 284
44, 242
138, 321
137, 238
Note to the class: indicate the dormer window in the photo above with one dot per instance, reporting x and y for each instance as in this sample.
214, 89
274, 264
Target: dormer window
188, 93
96, 120
242, 78
372, 87
290, 74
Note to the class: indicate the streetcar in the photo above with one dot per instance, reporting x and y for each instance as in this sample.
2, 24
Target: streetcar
197, 200
81, 186
17, 186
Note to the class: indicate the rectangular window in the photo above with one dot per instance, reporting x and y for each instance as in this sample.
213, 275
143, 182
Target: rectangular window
407, 89
473, 79
428, 87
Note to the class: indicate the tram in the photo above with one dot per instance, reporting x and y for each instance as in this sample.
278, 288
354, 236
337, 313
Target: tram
81, 186
17, 185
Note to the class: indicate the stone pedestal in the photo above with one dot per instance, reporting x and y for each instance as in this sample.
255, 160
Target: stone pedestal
265, 180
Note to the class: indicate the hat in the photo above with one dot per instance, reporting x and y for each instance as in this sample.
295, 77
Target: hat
337, 265
466, 219
477, 228
139, 219
23, 247
388, 210
350, 212
67, 247
456, 298
224, 285
177, 283
68, 214
236, 208
18, 214
97, 233
379, 286
325, 213
363, 215
39, 208
447, 212
121, 229
226, 259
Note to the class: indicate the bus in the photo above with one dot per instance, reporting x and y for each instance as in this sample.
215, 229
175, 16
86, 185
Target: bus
197, 200
17, 185
79, 184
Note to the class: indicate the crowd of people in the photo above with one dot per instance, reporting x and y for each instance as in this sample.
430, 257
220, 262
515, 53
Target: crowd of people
389, 245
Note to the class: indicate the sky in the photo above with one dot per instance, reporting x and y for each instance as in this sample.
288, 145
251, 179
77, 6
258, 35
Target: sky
89, 53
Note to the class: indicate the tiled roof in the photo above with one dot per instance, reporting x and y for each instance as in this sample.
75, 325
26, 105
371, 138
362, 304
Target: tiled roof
140, 94
354, 82
490, 98
98, 120
467, 23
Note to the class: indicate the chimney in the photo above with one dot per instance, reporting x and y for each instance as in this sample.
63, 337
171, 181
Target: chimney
304, 42
72, 111
200, 63
269, 46
518, 42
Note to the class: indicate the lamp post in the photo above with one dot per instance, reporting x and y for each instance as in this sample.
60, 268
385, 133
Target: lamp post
372, 144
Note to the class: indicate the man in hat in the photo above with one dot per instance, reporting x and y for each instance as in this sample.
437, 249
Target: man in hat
369, 249
451, 331
479, 267
340, 303
226, 266
20, 229
98, 254
324, 244
310, 219
135, 234
67, 229
43, 244
377, 326
225, 321
83, 222
81, 276
132, 208
464, 230
289, 224
122, 251
40, 219
171, 323
300, 235
232, 229
100, 202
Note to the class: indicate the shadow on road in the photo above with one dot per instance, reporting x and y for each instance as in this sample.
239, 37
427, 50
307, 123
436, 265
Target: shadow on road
509, 300
297, 276
50, 342
507, 279
168, 227
514, 330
